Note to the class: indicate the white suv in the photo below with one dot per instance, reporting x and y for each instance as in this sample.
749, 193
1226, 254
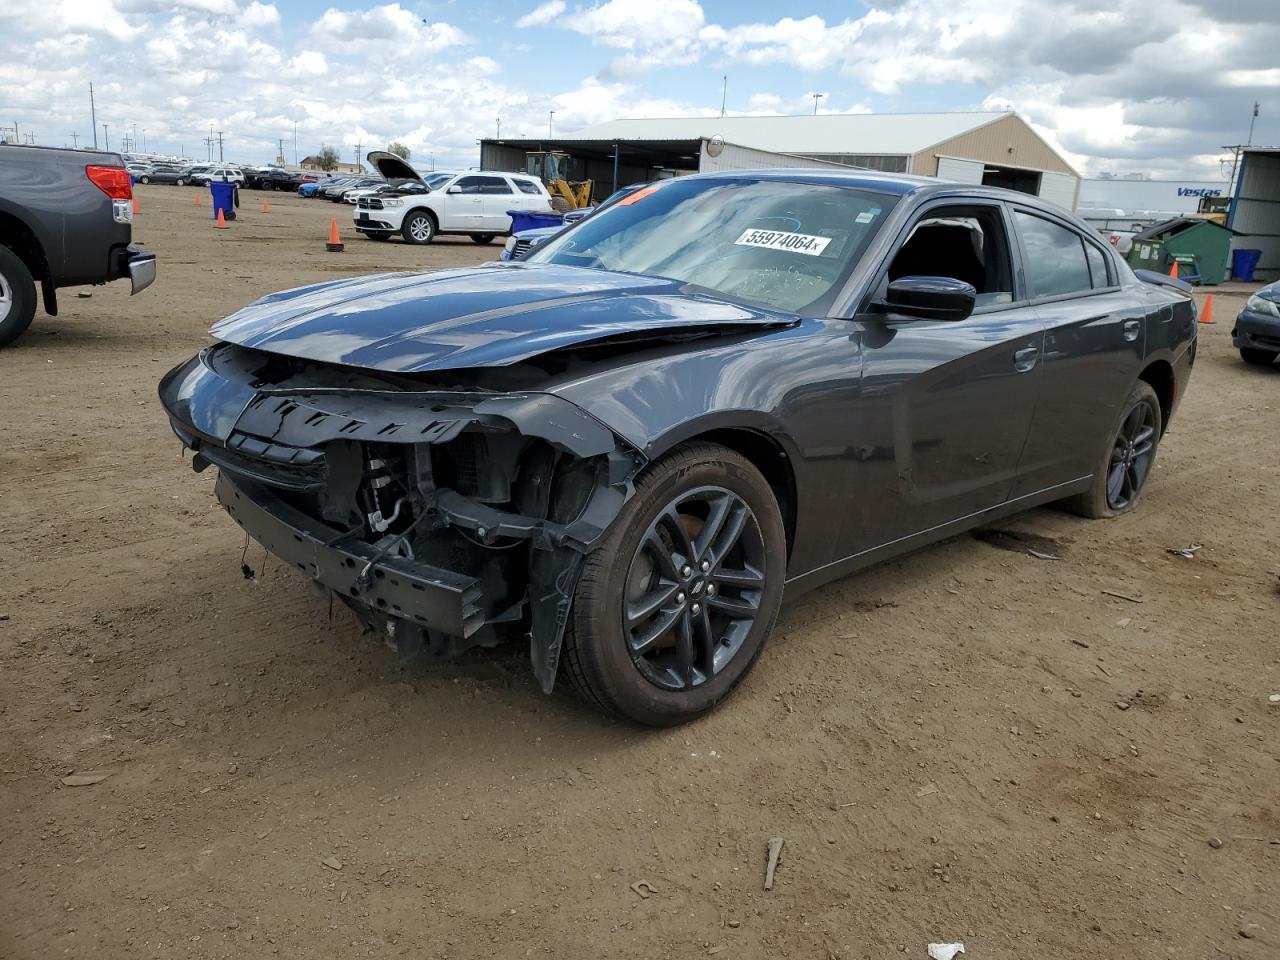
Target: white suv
474, 204
219, 175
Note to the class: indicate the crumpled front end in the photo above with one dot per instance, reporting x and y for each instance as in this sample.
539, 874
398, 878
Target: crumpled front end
444, 517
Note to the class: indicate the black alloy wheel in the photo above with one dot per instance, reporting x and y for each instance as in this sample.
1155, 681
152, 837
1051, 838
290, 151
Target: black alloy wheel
1131, 456
677, 600
1125, 467
694, 588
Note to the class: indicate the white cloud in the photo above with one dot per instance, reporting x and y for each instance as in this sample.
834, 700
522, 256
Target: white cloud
542, 15
260, 15
407, 33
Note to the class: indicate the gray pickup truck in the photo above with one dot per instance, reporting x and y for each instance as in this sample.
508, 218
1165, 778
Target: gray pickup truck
66, 219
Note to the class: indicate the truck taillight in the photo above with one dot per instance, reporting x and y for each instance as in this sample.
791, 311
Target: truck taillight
113, 181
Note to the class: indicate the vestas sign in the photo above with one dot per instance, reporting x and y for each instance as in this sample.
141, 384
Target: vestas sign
1198, 192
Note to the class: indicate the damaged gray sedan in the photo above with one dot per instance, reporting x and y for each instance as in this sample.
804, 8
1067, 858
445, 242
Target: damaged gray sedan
623, 450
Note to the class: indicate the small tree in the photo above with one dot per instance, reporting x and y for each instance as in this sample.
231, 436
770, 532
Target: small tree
327, 159
399, 149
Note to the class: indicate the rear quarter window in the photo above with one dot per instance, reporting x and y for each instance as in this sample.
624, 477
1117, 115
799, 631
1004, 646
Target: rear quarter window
527, 186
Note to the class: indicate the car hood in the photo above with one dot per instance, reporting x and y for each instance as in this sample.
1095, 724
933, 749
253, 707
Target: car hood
493, 315
391, 166
1270, 292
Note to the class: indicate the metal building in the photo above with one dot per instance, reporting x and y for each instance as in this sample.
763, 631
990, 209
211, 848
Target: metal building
999, 149
1255, 209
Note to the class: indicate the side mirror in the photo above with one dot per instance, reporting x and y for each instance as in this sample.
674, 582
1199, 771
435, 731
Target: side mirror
929, 298
454, 189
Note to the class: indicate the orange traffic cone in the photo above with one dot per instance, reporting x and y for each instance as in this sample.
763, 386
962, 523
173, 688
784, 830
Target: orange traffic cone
1173, 271
136, 207
1206, 315
335, 242
197, 198
222, 222
266, 207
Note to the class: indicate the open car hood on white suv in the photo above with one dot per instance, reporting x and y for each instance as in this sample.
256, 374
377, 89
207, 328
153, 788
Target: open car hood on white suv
392, 167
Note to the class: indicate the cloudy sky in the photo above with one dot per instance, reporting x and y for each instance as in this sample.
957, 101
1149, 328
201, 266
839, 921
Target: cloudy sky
1117, 85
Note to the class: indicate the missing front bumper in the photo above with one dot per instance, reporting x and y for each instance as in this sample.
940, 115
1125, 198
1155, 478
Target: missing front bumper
435, 599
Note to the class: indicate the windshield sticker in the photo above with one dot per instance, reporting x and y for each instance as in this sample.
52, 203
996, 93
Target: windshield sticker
637, 196
780, 240
866, 216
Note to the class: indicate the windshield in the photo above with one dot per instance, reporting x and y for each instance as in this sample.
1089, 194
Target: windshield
435, 180
779, 244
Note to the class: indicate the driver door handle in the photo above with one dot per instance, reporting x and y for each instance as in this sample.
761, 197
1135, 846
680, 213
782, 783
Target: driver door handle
1025, 359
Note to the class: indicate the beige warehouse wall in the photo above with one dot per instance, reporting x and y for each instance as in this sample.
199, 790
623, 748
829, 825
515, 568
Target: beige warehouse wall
1009, 141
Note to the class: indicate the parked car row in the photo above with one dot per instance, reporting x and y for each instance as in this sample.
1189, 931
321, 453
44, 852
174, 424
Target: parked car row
199, 174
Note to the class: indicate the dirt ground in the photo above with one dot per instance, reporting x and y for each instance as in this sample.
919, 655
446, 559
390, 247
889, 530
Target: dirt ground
970, 744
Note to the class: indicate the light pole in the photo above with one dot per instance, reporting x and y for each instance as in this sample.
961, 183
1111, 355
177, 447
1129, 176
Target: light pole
295, 143
106, 141
816, 98
499, 122
551, 116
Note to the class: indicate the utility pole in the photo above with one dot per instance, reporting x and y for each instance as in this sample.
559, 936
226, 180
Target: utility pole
499, 136
1252, 121
144, 139
724, 93
359, 146
106, 140
816, 98
93, 117
220, 160
550, 120
75, 141
133, 140
280, 155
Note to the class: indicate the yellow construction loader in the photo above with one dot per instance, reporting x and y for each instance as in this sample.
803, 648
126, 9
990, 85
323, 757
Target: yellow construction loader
552, 167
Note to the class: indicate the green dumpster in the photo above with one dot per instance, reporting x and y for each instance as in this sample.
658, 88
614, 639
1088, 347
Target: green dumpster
1202, 249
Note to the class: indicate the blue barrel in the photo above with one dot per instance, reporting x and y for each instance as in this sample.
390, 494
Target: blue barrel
224, 199
1243, 263
528, 220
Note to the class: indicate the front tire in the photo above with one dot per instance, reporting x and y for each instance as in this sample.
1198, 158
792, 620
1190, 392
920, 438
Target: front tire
676, 603
17, 297
1262, 358
144, 179
419, 228
1129, 458
179, 182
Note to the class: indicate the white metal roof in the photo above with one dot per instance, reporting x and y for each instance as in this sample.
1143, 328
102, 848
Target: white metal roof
896, 134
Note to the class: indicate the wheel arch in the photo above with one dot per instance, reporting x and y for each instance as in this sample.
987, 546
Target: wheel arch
761, 446
1159, 375
25, 244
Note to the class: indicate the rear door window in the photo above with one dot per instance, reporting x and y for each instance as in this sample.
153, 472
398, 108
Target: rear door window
1053, 258
495, 185
527, 186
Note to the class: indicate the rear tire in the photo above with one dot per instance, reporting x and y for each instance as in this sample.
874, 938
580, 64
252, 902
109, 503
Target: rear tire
482, 238
144, 179
179, 182
17, 297
720, 611
1263, 358
1128, 460
419, 228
